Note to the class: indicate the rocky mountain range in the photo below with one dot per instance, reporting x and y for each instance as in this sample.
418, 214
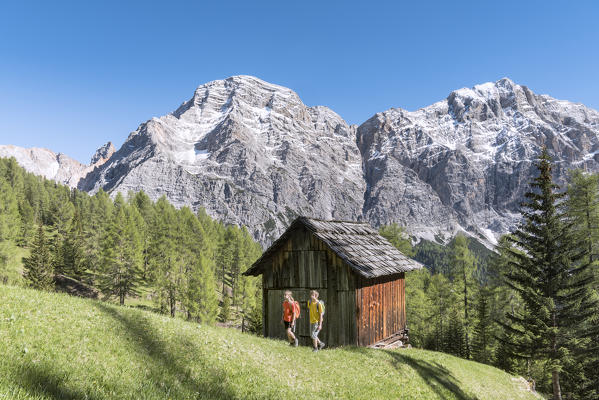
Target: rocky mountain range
58, 167
252, 153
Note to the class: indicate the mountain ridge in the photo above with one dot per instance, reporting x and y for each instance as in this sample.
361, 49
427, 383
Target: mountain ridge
253, 153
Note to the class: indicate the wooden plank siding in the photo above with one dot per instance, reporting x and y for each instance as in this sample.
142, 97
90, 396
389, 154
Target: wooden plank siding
381, 308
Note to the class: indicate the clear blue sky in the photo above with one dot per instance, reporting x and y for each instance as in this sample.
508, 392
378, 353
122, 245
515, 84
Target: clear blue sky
74, 75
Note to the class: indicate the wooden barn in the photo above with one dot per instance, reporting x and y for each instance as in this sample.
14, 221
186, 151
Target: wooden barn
359, 275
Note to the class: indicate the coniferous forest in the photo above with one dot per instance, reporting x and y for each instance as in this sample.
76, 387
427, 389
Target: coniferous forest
529, 307
129, 250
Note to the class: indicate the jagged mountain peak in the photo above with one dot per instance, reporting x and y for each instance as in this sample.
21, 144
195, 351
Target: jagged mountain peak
249, 152
240, 91
103, 153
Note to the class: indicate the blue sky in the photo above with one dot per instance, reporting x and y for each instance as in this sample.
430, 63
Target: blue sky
74, 75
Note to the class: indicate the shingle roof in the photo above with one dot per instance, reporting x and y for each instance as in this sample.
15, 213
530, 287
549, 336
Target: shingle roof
357, 243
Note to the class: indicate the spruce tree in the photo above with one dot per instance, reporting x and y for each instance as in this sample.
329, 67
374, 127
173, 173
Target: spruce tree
38, 269
550, 276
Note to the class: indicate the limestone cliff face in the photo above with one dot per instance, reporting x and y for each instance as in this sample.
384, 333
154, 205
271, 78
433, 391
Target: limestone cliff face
249, 152
252, 153
465, 162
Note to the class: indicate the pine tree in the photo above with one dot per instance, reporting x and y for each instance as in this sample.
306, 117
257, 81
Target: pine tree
551, 278
38, 266
463, 268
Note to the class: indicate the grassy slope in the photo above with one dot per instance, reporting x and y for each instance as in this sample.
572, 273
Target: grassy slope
53, 346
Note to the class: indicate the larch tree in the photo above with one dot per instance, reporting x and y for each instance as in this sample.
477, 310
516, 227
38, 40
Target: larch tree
583, 207
9, 222
462, 262
122, 254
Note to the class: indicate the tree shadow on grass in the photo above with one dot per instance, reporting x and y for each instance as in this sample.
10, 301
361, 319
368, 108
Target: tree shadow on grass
41, 380
436, 376
166, 369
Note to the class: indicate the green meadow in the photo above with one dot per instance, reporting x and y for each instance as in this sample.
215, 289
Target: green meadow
54, 346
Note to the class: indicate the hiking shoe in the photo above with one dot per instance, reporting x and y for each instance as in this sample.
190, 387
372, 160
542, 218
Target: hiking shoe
295, 343
320, 345
314, 349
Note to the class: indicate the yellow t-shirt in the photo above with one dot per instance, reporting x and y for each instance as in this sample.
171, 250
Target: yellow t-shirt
315, 311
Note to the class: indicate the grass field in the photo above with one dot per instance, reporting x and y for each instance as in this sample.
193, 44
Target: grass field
53, 346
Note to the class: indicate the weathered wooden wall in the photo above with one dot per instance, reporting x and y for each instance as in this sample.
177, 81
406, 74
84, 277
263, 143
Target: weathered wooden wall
381, 308
304, 263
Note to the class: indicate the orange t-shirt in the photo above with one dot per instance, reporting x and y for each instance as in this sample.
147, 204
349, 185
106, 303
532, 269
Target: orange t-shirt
287, 311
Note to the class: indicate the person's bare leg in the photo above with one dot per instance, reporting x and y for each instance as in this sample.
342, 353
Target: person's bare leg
290, 336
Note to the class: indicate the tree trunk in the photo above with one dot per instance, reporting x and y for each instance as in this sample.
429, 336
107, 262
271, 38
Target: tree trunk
172, 304
557, 391
466, 322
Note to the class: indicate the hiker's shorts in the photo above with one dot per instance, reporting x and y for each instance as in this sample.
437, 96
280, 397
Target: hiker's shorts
314, 331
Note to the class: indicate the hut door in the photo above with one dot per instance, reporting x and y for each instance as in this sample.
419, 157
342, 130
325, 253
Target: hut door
302, 329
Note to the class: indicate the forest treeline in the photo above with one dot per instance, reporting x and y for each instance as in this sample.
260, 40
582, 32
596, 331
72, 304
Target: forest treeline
531, 306
129, 249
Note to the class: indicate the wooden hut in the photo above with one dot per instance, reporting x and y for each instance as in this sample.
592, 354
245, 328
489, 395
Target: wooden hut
359, 275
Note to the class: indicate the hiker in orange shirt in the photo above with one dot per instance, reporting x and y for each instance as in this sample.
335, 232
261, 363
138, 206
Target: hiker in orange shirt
289, 316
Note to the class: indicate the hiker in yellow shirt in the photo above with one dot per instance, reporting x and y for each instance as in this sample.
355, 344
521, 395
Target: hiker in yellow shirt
316, 308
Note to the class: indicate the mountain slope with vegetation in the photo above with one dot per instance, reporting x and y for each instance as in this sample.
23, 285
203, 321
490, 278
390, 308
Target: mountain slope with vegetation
54, 346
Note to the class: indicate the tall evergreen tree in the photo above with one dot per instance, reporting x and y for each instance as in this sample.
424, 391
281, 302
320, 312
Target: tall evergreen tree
201, 298
146, 209
166, 263
550, 276
9, 222
482, 347
224, 257
72, 261
38, 269
463, 269
121, 255
582, 372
